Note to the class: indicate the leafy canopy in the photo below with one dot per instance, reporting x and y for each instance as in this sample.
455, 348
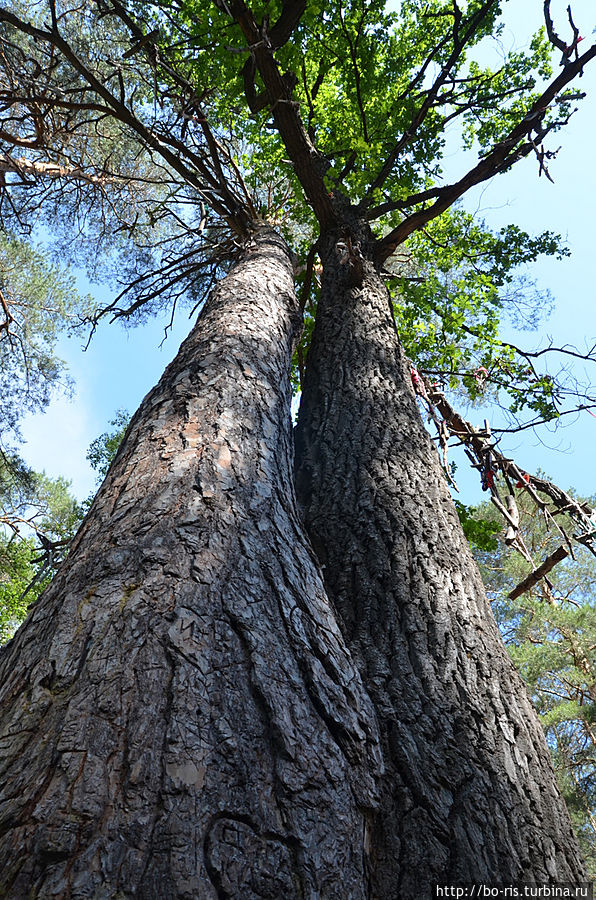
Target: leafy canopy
382, 97
177, 126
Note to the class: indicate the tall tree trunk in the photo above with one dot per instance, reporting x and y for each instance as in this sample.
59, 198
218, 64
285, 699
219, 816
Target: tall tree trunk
469, 793
179, 715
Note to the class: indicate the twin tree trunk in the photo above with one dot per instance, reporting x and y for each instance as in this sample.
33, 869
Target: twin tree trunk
184, 715
469, 794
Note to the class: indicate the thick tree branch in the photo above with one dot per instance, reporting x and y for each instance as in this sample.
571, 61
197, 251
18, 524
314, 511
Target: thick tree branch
310, 166
503, 155
291, 13
192, 105
35, 169
550, 29
195, 172
534, 577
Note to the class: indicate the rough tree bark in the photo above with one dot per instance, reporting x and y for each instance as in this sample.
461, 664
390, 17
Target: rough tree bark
469, 792
179, 715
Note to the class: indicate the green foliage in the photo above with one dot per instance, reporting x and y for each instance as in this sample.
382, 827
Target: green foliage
360, 87
379, 93
39, 302
479, 531
58, 512
117, 210
459, 285
551, 635
31, 503
516, 79
35, 502
104, 448
363, 87
17, 572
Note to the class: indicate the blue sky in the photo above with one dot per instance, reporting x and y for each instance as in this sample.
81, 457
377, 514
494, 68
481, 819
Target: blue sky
121, 366
566, 453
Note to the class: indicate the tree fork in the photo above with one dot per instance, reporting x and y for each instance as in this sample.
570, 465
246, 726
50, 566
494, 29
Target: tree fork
180, 717
469, 793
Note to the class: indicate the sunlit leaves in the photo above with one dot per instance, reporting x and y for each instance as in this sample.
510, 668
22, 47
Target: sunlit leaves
516, 82
194, 113
103, 449
17, 571
31, 503
479, 530
456, 291
363, 74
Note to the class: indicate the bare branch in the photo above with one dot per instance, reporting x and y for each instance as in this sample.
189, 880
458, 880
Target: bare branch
33, 169
534, 577
550, 29
485, 457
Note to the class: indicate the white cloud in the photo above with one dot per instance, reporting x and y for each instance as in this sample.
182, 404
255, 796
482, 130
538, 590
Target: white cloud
56, 442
